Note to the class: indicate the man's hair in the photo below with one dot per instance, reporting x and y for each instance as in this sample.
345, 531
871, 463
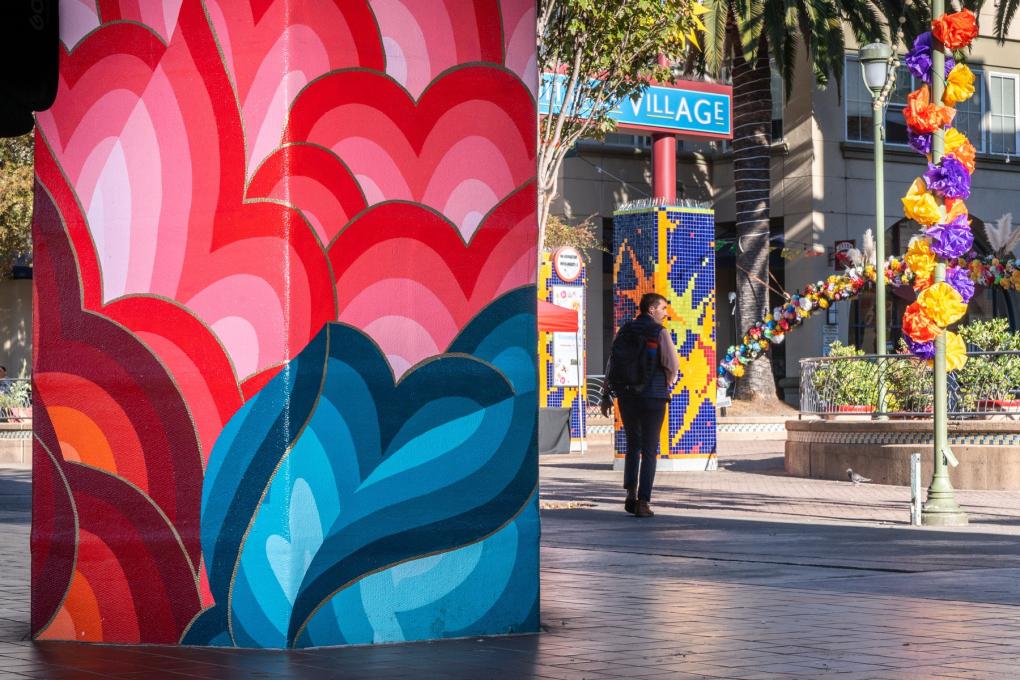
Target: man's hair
649, 300
3, 368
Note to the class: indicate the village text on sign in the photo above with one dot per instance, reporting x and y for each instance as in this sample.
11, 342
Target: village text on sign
688, 109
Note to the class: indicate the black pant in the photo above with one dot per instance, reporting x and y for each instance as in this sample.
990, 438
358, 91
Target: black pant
642, 422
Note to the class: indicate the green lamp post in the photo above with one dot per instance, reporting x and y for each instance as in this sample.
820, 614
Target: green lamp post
875, 59
941, 508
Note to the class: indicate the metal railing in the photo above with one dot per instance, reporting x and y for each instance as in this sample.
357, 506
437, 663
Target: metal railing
593, 398
988, 385
15, 400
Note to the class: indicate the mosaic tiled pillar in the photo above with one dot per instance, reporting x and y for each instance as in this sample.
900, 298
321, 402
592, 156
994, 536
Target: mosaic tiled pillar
671, 251
558, 390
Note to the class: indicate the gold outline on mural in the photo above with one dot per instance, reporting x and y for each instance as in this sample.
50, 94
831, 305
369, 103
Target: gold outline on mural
84, 310
229, 605
74, 513
187, 628
287, 257
99, 267
187, 310
63, 221
230, 80
311, 413
154, 504
313, 145
435, 211
163, 41
304, 624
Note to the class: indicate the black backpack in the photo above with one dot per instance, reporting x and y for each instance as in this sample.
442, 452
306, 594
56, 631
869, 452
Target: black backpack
631, 365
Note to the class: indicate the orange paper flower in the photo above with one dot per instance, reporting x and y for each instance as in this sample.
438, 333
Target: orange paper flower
955, 30
957, 145
917, 325
923, 116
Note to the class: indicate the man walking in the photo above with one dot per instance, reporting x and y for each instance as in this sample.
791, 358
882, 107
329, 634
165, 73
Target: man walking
642, 368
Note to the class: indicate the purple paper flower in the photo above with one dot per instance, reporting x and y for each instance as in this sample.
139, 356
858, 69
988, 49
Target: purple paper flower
959, 278
951, 240
922, 350
920, 142
949, 178
918, 60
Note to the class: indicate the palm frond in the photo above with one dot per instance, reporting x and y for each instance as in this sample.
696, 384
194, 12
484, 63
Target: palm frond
715, 34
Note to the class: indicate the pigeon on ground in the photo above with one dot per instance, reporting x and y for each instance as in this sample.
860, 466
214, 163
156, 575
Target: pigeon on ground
856, 478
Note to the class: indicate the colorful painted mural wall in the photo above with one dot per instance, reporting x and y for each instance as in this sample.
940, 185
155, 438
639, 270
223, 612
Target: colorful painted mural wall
564, 380
285, 371
671, 251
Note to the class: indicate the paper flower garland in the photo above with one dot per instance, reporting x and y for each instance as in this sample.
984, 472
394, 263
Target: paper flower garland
955, 30
935, 201
918, 60
959, 85
965, 275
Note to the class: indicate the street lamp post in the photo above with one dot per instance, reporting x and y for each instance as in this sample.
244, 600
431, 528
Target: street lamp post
875, 60
941, 508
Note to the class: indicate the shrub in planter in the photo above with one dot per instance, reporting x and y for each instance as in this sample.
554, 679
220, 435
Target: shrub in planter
909, 383
844, 382
990, 381
15, 400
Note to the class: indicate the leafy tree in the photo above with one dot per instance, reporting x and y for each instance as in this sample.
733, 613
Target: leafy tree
16, 178
582, 236
742, 37
606, 50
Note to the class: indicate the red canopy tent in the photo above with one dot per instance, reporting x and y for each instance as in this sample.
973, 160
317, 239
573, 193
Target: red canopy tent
553, 318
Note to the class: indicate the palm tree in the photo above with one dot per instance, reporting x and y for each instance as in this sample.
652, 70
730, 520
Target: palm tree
745, 35
1005, 10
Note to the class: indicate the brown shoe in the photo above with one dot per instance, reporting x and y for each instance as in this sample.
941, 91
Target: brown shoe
630, 505
643, 510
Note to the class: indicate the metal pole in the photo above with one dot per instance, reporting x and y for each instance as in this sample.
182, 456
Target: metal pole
915, 489
880, 326
941, 508
664, 161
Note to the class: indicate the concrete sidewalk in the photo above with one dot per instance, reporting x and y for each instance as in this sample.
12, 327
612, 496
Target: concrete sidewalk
743, 573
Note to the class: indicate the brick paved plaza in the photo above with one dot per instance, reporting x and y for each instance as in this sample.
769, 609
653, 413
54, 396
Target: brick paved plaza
743, 573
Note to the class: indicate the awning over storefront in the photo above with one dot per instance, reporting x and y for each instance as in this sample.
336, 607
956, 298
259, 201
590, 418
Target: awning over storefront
553, 318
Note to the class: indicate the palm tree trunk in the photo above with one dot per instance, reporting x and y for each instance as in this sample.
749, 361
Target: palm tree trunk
752, 139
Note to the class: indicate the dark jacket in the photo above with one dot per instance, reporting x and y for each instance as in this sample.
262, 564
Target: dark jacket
659, 342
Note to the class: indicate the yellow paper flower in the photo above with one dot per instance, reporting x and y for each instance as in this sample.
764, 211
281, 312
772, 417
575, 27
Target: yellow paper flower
959, 85
942, 304
1015, 276
737, 371
920, 259
956, 352
957, 144
919, 205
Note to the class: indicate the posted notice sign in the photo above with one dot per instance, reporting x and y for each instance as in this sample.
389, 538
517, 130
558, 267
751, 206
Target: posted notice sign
688, 108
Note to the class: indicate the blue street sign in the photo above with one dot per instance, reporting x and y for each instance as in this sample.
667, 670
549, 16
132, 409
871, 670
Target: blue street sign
689, 108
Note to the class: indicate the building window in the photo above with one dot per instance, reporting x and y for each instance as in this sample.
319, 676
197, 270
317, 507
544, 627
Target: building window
634, 141
895, 125
969, 114
859, 126
1002, 111
778, 101
988, 119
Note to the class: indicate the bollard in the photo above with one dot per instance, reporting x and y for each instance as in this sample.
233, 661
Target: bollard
915, 489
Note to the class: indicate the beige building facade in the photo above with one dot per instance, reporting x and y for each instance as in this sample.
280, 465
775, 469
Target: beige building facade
823, 191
